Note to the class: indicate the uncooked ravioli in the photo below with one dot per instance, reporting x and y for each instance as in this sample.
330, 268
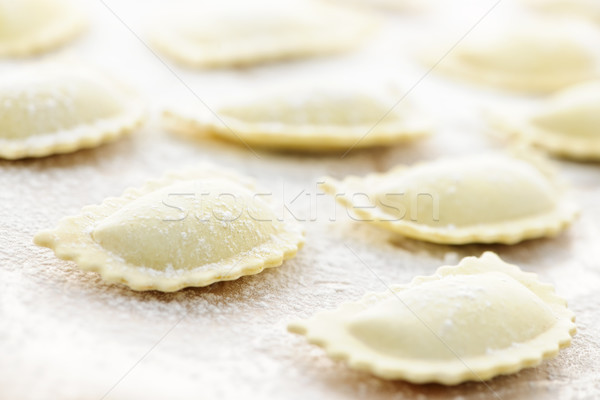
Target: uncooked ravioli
190, 228
473, 321
309, 119
34, 26
566, 124
489, 198
533, 55
52, 108
244, 33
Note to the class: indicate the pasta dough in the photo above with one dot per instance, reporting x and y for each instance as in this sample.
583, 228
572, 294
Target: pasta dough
244, 33
324, 119
190, 228
473, 321
58, 108
532, 56
33, 26
567, 124
477, 199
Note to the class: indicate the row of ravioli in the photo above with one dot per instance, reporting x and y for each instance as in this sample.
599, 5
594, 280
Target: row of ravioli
52, 108
57, 107
233, 33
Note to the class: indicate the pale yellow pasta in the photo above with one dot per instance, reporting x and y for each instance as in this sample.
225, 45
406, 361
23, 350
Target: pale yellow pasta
55, 108
479, 199
566, 124
473, 321
532, 55
190, 228
310, 119
245, 33
34, 26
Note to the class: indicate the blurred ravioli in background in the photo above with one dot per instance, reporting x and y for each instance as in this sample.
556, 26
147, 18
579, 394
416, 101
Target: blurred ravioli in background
34, 26
566, 124
235, 33
314, 118
534, 55
59, 107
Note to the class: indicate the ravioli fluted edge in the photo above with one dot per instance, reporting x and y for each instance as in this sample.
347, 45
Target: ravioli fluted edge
313, 118
493, 198
469, 322
189, 228
62, 106
566, 124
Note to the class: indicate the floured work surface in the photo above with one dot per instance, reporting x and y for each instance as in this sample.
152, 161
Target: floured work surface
66, 334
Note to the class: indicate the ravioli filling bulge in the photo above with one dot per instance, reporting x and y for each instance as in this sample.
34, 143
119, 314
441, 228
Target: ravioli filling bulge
23, 18
463, 194
531, 55
580, 120
188, 225
459, 315
56, 103
322, 109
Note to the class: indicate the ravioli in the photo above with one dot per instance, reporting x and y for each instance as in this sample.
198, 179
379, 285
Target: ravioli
245, 33
532, 56
55, 108
479, 199
325, 119
567, 124
189, 228
473, 321
34, 26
